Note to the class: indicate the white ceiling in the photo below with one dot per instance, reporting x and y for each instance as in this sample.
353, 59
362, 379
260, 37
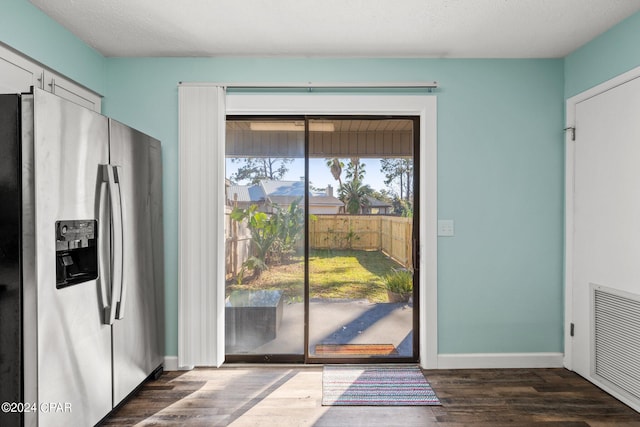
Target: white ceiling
339, 28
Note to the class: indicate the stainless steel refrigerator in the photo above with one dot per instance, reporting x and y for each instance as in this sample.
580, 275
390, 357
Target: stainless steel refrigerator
81, 261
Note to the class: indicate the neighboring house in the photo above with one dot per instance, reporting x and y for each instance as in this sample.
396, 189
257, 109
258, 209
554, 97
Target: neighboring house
377, 207
267, 194
323, 204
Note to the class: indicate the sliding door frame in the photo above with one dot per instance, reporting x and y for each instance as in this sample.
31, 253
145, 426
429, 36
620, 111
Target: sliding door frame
415, 323
425, 107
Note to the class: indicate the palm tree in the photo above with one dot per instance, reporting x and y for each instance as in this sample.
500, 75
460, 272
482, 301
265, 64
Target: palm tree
355, 169
335, 165
354, 196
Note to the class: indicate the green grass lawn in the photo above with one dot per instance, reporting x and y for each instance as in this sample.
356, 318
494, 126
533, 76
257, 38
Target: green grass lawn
335, 274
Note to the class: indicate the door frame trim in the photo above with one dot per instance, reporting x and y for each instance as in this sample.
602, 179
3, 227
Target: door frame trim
424, 106
570, 123
415, 321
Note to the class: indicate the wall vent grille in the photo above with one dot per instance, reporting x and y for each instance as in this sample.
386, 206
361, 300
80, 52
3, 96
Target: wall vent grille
617, 339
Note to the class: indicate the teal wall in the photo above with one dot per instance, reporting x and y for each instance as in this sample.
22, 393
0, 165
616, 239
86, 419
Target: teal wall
25, 28
500, 177
611, 54
500, 161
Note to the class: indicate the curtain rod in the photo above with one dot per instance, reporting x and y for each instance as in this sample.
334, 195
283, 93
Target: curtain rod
311, 85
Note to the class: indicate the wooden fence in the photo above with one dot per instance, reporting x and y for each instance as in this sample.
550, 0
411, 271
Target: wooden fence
389, 234
237, 244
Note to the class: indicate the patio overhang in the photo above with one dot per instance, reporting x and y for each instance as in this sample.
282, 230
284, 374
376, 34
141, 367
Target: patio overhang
349, 138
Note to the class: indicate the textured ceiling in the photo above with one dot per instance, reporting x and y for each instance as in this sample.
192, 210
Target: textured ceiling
338, 28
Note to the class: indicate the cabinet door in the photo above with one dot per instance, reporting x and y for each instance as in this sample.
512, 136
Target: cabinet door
17, 74
70, 91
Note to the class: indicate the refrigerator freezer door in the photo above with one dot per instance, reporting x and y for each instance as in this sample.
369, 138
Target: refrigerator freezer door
73, 344
138, 332
10, 295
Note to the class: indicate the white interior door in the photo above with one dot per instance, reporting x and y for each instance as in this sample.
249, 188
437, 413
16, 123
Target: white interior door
606, 207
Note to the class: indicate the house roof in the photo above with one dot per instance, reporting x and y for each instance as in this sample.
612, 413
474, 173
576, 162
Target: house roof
281, 193
375, 203
246, 193
283, 188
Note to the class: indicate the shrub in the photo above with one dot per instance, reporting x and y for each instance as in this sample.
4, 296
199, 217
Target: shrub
399, 281
273, 236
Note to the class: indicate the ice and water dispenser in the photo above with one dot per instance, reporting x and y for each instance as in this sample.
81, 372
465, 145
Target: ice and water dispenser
76, 252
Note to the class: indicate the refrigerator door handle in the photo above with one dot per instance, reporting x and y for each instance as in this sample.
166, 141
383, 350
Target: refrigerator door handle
104, 277
117, 170
116, 241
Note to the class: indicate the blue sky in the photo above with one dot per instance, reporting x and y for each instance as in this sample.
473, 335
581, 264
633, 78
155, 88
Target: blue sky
319, 174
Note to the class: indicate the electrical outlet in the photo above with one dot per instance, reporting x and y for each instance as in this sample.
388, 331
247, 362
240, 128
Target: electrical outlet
445, 227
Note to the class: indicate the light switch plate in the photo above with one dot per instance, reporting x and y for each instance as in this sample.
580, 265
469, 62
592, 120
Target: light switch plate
445, 227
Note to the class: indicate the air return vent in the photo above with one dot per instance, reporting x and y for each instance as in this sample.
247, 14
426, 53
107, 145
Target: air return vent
617, 339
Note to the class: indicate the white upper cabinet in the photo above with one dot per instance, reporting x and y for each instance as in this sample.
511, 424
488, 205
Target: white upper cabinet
18, 74
71, 91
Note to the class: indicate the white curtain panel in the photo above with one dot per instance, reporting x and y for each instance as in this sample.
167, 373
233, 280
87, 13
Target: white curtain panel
201, 226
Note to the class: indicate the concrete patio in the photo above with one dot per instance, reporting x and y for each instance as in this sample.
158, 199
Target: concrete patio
339, 322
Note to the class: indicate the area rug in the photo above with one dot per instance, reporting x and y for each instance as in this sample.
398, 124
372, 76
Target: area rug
376, 385
355, 349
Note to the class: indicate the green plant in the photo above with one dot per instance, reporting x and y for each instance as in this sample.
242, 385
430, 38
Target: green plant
273, 236
337, 239
351, 237
289, 225
252, 263
263, 230
399, 281
354, 195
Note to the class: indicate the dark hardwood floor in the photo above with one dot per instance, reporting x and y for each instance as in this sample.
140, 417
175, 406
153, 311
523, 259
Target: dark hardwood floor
291, 396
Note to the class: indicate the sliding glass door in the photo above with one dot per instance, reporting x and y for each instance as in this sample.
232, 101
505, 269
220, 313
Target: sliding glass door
361, 204
320, 239
265, 239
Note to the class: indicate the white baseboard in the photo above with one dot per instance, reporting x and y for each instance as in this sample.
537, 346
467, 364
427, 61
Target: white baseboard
500, 360
462, 361
171, 363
